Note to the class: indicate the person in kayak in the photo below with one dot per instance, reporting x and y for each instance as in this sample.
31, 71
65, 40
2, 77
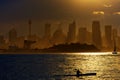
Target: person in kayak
78, 72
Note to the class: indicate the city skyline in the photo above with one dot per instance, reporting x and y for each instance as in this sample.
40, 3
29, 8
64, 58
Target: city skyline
16, 13
54, 25
72, 35
59, 39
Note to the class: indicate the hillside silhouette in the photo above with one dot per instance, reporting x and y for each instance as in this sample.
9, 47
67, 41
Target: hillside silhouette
73, 47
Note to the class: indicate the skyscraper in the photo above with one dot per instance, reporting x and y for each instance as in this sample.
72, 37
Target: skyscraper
29, 30
72, 33
96, 34
88, 37
108, 35
47, 31
114, 33
2, 41
82, 35
118, 46
59, 37
115, 36
12, 35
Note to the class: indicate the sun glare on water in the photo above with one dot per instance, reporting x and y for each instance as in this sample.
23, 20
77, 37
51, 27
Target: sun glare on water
95, 53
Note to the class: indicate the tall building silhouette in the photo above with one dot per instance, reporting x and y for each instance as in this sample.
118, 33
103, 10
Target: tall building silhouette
108, 35
96, 34
89, 37
114, 33
30, 25
47, 33
2, 41
115, 36
82, 35
12, 35
118, 46
71, 38
59, 37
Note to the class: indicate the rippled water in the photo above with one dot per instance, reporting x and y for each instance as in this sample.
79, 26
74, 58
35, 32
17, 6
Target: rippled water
45, 66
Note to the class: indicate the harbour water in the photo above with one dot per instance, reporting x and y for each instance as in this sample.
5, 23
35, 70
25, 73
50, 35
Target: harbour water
45, 66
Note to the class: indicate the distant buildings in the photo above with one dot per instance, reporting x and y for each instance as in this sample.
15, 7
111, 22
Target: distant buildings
82, 35
12, 35
108, 36
96, 34
47, 33
118, 46
45, 41
3, 44
58, 37
49, 39
2, 41
28, 43
114, 33
71, 37
30, 26
89, 37
115, 36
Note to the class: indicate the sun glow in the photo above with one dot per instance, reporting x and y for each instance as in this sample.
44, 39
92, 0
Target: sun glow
90, 0
87, 1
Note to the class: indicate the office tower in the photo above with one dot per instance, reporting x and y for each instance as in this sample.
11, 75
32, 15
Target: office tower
71, 33
28, 43
29, 30
114, 33
12, 35
96, 34
115, 36
82, 35
59, 37
47, 31
89, 37
2, 41
118, 43
108, 35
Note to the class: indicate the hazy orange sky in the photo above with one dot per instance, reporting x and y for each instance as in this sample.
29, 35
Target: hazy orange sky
15, 13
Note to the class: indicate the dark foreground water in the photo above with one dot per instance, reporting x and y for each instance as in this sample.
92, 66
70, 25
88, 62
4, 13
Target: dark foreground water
45, 66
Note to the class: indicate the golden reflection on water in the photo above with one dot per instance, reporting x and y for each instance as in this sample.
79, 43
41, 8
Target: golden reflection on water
105, 64
94, 53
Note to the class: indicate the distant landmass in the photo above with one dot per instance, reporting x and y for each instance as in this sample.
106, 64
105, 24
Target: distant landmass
73, 47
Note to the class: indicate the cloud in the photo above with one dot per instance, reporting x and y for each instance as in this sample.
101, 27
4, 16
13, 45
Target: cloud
116, 13
98, 12
107, 5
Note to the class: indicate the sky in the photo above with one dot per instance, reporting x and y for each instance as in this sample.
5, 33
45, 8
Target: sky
15, 13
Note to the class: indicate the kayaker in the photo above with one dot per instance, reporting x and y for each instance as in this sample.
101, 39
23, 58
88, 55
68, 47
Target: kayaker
78, 72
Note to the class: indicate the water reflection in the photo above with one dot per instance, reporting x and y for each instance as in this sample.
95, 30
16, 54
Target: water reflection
104, 64
45, 66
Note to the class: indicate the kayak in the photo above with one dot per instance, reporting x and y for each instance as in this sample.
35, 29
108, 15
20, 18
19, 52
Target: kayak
86, 74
